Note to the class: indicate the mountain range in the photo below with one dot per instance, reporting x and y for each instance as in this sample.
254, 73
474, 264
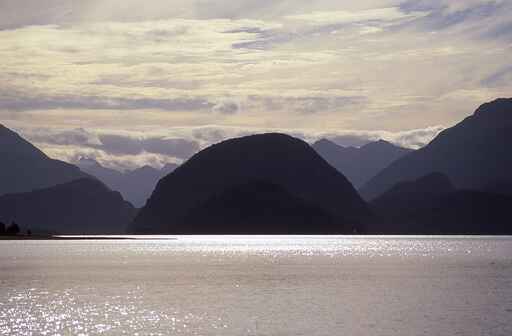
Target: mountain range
474, 154
135, 185
273, 183
359, 165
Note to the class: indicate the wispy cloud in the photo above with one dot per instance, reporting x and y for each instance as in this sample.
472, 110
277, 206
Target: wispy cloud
128, 150
367, 16
300, 66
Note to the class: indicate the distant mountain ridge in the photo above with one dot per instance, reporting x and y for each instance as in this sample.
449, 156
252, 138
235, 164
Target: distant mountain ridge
431, 205
277, 159
135, 185
26, 168
474, 154
460, 183
83, 206
434, 183
359, 165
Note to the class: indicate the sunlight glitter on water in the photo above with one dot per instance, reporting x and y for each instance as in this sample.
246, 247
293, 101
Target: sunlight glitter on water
71, 312
264, 285
369, 246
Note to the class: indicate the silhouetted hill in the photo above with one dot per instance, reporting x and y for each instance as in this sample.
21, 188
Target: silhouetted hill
25, 168
473, 154
135, 185
256, 206
502, 187
359, 165
276, 158
434, 183
84, 206
430, 205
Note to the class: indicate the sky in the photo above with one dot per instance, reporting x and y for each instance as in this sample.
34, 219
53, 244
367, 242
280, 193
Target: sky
131, 83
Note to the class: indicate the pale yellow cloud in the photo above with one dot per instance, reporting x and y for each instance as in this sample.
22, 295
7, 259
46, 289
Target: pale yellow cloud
346, 17
325, 66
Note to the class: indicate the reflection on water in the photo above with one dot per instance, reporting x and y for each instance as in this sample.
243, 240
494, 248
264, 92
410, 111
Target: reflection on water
76, 312
267, 285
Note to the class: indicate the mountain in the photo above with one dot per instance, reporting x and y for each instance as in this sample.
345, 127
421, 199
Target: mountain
359, 165
25, 168
92, 167
140, 183
502, 187
473, 154
135, 185
83, 206
431, 205
433, 183
303, 176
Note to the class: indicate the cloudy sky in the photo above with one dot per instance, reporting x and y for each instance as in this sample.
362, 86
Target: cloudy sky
132, 83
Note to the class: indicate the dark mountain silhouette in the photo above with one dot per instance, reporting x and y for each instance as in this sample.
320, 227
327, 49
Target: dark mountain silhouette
431, 205
243, 209
503, 187
25, 168
135, 185
434, 183
473, 154
359, 165
276, 158
84, 206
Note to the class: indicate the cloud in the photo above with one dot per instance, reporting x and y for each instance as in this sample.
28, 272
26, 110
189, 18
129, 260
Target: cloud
487, 19
73, 137
499, 78
121, 144
128, 144
140, 79
27, 103
347, 17
127, 150
118, 162
226, 107
174, 147
413, 139
72, 143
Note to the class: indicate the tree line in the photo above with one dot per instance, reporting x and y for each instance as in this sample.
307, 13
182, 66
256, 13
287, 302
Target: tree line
11, 230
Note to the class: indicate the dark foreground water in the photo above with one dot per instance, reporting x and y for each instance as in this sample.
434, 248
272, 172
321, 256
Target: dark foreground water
257, 286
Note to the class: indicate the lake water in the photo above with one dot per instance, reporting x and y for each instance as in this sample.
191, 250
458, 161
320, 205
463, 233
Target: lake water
264, 285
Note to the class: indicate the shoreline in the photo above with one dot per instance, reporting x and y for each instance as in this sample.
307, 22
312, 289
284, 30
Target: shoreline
162, 237
50, 237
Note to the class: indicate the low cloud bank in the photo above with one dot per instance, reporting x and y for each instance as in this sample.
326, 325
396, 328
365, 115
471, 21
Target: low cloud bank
128, 150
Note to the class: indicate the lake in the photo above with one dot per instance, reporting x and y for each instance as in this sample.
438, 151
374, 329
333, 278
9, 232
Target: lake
264, 285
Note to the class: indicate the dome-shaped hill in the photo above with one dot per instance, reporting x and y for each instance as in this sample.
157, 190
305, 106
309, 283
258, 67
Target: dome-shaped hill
275, 158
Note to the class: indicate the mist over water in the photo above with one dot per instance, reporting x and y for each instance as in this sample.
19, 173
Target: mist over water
264, 285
